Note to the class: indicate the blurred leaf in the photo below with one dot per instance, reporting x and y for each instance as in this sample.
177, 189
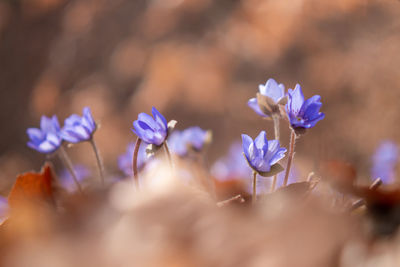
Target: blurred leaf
339, 174
32, 186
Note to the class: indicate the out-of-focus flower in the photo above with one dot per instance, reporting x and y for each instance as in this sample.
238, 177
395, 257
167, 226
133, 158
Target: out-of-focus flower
231, 167
261, 154
384, 162
270, 96
67, 181
303, 113
192, 138
47, 139
152, 130
78, 129
125, 160
3, 208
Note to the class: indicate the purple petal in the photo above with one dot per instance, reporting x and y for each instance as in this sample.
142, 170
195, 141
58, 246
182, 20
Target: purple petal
159, 118
252, 103
296, 99
261, 142
35, 134
272, 90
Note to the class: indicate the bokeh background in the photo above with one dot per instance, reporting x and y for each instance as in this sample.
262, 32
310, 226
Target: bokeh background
198, 61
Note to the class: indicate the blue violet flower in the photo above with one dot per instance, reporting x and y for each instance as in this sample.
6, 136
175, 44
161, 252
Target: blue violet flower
78, 129
303, 113
190, 139
268, 99
47, 139
262, 155
385, 160
152, 130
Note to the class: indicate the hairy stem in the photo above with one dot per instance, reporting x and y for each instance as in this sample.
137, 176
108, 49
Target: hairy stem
68, 164
276, 131
99, 160
134, 162
254, 197
290, 158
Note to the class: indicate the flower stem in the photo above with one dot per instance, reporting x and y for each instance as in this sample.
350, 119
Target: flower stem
100, 163
166, 148
134, 162
68, 164
254, 197
290, 158
276, 131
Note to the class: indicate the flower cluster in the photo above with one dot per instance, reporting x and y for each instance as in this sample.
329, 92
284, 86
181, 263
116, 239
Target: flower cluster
50, 136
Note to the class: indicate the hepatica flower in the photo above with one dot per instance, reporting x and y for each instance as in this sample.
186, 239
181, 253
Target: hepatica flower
47, 139
232, 166
152, 130
303, 113
190, 139
385, 160
78, 129
261, 154
67, 180
269, 97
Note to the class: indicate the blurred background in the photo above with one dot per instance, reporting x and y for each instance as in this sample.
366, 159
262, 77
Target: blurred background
198, 62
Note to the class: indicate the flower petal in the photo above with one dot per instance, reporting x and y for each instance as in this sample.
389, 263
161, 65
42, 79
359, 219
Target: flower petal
252, 103
296, 99
159, 118
261, 142
272, 90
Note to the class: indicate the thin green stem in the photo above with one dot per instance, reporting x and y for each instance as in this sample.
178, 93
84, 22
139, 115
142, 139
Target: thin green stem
100, 163
276, 131
254, 197
290, 157
68, 164
134, 162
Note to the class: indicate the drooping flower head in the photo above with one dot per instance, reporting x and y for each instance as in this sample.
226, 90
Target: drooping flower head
67, 181
152, 130
125, 160
231, 167
78, 129
303, 113
270, 96
190, 139
261, 154
385, 160
47, 139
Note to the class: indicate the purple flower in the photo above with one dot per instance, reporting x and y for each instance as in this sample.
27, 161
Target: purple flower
152, 130
385, 160
192, 138
303, 114
125, 160
261, 154
67, 181
78, 129
47, 139
274, 92
232, 166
